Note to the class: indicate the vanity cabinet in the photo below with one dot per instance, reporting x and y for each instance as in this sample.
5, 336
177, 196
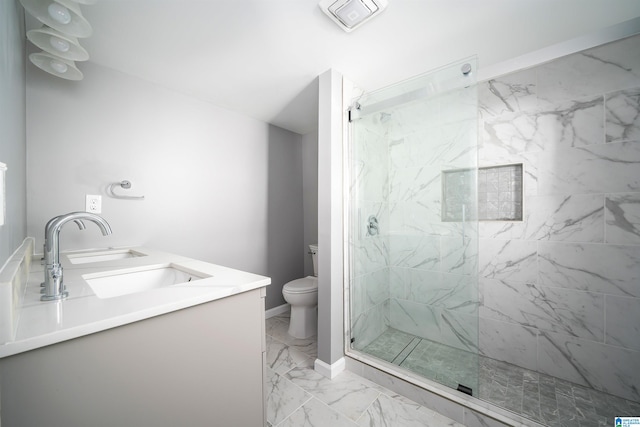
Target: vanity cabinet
199, 366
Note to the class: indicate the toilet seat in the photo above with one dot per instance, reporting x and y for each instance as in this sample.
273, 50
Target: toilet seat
302, 286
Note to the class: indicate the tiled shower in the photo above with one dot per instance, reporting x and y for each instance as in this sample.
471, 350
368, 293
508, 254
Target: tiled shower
560, 290
546, 280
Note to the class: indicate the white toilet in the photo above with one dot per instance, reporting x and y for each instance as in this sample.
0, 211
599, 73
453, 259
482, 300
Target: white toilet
302, 295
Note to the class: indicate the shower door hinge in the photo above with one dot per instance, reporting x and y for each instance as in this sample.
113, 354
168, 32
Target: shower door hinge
354, 112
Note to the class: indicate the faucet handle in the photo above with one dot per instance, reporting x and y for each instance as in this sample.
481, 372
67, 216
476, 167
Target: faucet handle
56, 271
54, 287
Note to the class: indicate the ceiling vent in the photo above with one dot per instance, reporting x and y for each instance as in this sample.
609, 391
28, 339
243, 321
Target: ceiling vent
350, 14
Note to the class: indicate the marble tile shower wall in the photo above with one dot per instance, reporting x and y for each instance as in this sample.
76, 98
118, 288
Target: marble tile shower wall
561, 289
558, 292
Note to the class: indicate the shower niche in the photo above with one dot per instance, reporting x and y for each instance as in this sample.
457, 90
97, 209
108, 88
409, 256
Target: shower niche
499, 193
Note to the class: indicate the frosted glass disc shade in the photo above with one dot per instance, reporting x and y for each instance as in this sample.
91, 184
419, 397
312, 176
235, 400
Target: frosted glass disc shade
53, 13
54, 42
59, 67
88, 2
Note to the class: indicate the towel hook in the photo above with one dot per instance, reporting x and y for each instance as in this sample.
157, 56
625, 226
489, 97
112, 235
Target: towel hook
123, 184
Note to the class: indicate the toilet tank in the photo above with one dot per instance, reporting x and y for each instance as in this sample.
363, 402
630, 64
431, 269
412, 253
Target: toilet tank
313, 249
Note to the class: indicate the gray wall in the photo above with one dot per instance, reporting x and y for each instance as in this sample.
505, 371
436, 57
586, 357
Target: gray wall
285, 213
12, 125
219, 186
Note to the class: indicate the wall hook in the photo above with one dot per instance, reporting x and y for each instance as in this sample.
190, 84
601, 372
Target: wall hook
123, 184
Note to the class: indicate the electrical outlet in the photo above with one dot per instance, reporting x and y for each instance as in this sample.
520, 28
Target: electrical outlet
93, 204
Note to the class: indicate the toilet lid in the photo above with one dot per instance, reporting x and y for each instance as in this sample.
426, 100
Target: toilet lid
298, 286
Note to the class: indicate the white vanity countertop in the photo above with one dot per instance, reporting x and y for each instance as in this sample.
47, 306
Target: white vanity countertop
43, 323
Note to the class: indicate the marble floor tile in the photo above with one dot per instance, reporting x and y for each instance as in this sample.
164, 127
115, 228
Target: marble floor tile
283, 397
315, 413
398, 411
301, 397
281, 357
277, 328
346, 393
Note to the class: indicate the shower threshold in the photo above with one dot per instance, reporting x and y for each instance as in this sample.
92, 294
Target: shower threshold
542, 398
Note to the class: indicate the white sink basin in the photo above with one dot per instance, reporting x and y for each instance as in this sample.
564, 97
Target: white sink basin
101, 256
109, 284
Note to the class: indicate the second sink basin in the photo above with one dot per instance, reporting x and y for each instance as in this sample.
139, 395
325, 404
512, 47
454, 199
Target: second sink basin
100, 256
111, 284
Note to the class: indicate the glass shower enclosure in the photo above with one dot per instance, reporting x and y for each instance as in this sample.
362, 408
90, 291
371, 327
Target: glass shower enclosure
413, 234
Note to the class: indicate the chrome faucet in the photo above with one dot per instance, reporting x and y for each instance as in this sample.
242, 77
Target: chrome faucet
45, 254
53, 283
45, 259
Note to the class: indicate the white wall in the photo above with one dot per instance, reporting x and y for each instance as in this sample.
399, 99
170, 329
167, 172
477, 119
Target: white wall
219, 186
12, 125
330, 231
310, 195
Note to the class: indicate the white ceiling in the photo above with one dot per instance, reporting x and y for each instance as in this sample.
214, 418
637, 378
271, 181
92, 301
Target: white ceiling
262, 57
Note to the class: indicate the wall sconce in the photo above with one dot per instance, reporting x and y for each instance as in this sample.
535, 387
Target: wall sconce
58, 38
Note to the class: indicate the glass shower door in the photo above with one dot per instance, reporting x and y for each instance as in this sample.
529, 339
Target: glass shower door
413, 240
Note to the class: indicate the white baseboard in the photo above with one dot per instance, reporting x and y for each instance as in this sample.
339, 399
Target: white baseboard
329, 371
276, 310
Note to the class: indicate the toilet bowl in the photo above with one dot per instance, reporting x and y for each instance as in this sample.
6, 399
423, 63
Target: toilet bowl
302, 295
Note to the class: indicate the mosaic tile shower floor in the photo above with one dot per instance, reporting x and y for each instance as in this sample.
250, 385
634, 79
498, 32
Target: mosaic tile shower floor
542, 398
